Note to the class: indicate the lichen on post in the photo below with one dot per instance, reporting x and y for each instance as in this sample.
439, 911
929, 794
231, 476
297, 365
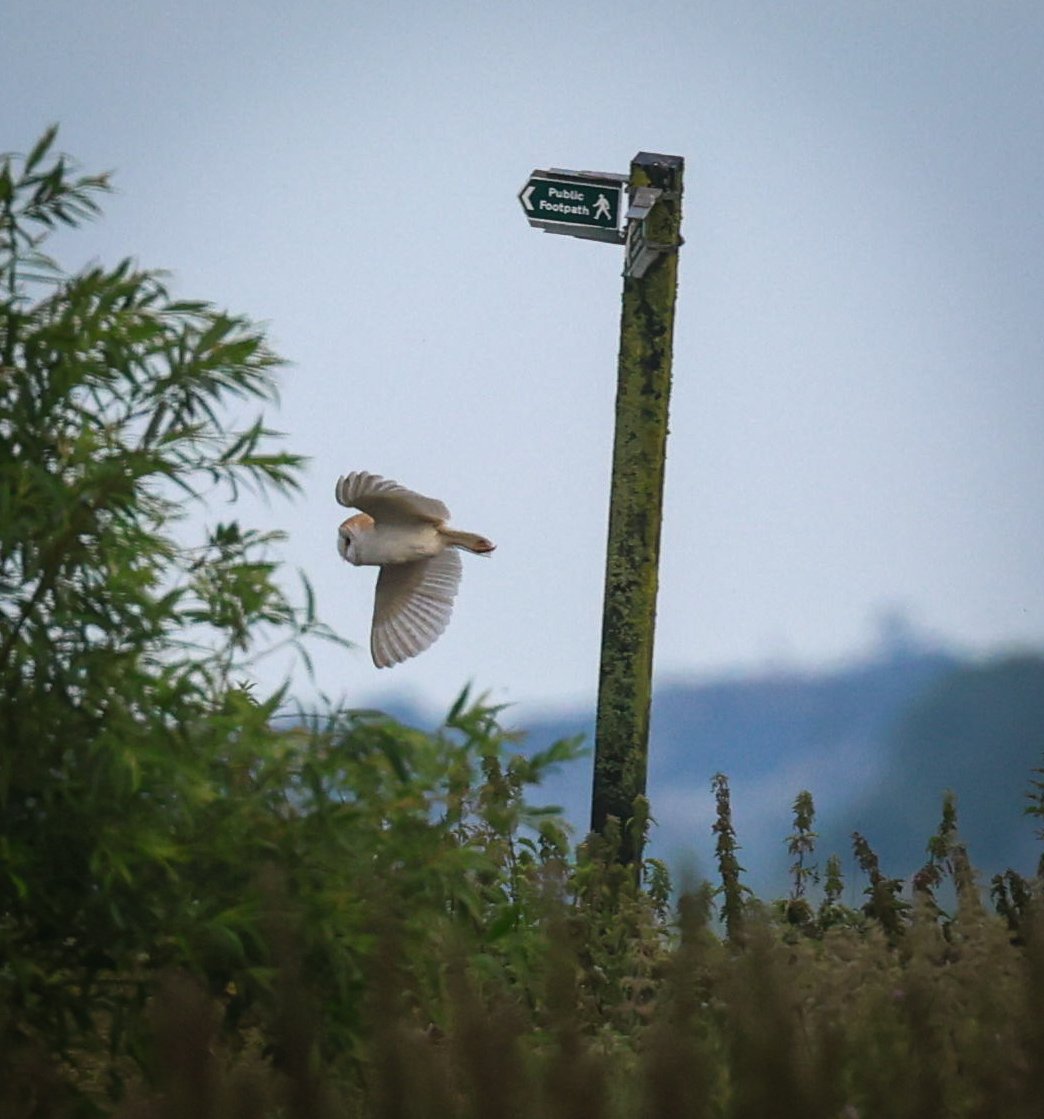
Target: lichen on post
636, 499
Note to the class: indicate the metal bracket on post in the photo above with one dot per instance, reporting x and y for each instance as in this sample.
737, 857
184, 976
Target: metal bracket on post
642, 253
642, 201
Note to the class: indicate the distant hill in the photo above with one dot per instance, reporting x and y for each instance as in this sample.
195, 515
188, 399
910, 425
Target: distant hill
877, 743
977, 731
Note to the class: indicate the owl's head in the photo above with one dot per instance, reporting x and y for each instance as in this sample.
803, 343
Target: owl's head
348, 535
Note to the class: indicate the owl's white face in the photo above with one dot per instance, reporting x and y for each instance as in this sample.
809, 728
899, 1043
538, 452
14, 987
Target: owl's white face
345, 544
348, 539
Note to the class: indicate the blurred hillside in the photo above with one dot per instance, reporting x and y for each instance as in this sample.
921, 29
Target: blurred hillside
877, 743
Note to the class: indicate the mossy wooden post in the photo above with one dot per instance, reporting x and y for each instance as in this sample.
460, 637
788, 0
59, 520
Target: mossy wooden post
639, 450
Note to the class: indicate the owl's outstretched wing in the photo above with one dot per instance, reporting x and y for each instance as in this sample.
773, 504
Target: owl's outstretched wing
386, 501
413, 606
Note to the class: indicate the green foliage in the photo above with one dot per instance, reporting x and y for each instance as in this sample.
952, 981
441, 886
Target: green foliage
123, 730
884, 903
801, 846
732, 891
832, 912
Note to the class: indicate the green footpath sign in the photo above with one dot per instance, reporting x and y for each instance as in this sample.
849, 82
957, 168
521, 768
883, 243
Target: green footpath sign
580, 203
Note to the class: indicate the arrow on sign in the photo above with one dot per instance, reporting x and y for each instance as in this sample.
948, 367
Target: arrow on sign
527, 194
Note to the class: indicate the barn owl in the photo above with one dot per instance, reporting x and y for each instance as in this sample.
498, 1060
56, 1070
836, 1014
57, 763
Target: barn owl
406, 536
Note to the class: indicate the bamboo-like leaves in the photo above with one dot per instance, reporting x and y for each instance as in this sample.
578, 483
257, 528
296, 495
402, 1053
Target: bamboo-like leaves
118, 640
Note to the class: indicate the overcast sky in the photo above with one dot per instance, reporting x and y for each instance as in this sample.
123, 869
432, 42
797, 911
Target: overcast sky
857, 420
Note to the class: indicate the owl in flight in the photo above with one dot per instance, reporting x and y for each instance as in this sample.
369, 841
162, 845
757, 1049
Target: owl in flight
406, 536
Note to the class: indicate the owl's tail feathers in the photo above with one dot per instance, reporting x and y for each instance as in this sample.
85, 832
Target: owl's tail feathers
469, 541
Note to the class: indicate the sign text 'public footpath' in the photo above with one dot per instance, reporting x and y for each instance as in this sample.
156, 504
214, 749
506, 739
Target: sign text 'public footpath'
579, 203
